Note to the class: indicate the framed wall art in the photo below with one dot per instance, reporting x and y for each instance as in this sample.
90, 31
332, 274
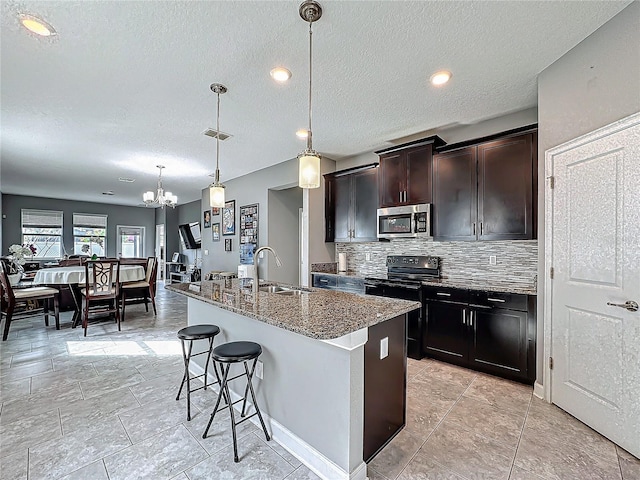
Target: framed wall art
229, 218
248, 232
215, 211
227, 244
215, 232
206, 219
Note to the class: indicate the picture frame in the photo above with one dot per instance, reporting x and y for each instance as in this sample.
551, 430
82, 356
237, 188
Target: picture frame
229, 218
227, 244
215, 232
175, 258
215, 211
206, 219
248, 232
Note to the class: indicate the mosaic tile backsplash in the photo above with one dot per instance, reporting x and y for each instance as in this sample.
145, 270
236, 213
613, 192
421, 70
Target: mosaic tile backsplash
516, 261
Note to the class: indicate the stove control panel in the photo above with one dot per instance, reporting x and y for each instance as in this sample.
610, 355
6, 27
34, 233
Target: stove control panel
415, 261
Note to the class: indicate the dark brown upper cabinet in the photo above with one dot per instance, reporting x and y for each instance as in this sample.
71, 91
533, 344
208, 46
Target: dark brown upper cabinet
486, 191
351, 200
405, 173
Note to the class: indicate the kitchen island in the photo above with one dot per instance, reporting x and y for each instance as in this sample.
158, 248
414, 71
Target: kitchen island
333, 384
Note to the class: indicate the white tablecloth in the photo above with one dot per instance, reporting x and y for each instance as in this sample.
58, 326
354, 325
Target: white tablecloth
72, 275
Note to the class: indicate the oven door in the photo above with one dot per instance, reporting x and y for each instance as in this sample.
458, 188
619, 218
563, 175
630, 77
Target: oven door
416, 323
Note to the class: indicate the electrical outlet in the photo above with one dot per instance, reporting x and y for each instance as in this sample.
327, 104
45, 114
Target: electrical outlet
492, 260
259, 370
261, 254
384, 348
367, 256
206, 252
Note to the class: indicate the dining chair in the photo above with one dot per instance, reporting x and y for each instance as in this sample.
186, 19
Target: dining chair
142, 290
101, 293
19, 303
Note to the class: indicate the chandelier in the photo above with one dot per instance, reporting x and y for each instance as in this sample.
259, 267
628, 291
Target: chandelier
161, 197
309, 160
216, 189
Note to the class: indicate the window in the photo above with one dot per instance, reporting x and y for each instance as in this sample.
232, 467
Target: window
130, 241
89, 234
43, 229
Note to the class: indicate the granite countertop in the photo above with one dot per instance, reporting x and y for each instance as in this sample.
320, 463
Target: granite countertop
486, 285
321, 314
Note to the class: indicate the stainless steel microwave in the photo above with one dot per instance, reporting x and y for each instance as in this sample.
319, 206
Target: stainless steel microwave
409, 221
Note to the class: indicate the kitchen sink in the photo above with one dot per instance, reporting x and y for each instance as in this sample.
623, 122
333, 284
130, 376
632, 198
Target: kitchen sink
282, 290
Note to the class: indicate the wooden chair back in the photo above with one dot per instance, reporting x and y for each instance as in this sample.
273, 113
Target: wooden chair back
151, 271
8, 297
102, 278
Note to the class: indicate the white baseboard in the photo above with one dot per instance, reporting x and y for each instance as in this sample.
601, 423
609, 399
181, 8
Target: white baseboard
538, 390
309, 456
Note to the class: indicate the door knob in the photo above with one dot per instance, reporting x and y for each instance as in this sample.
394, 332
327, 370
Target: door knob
629, 305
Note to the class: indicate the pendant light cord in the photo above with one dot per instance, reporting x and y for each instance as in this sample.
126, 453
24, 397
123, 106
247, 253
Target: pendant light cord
309, 134
218, 142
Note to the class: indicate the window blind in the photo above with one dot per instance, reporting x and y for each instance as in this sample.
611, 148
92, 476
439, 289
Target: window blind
41, 218
89, 220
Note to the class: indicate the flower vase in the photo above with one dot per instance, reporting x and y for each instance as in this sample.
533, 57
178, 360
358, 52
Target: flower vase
14, 278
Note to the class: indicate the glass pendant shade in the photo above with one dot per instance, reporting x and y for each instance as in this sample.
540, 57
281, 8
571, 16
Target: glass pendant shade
309, 169
148, 197
216, 195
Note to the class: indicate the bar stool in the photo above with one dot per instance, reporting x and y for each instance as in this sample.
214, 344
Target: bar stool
228, 354
189, 334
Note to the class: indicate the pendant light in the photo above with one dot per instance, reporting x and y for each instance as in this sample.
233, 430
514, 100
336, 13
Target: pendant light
309, 160
216, 189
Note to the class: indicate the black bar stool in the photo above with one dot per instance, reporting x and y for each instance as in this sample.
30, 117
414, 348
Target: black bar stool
189, 334
227, 354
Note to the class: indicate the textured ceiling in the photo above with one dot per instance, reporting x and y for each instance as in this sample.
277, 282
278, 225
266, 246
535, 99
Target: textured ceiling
125, 85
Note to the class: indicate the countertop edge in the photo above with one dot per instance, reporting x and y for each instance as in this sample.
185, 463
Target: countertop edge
398, 310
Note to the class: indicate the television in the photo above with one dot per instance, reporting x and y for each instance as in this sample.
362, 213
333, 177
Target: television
190, 234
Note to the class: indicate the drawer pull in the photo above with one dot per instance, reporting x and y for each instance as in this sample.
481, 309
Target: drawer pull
442, 294
499, 300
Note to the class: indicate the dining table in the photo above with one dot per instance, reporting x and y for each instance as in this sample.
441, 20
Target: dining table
75, 278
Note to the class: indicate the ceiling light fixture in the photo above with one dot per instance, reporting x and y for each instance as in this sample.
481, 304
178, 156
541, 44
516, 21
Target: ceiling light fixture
161, 198
302, 133
309, 160
280, 74
440, 78
36, 25
216, 189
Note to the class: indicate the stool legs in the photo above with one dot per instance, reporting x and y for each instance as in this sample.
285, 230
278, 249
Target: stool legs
224, 391
186, 354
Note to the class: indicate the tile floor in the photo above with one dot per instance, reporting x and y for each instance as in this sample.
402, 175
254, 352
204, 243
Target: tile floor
102, 407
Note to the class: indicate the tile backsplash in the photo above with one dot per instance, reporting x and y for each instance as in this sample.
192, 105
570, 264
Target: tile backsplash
516, 261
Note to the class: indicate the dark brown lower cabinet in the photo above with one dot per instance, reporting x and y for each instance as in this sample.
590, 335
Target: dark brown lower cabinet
486, 331
385, 386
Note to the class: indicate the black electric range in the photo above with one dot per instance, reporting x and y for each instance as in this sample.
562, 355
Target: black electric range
405, 274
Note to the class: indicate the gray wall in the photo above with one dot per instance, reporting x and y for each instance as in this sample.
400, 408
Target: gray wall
592, 85
116, 215
453, 134
284, 233
189, 213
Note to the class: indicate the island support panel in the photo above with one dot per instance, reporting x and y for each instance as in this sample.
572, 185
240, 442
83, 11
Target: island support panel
311, 395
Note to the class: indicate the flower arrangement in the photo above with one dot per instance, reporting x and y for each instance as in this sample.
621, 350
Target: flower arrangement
18, 255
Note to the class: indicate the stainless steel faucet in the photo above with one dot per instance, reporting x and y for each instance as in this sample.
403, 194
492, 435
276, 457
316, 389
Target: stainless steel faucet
256, 254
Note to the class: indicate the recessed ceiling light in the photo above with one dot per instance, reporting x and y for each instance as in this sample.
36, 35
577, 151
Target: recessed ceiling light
36, 25
302, 133
440, 78
126, 180
280, 74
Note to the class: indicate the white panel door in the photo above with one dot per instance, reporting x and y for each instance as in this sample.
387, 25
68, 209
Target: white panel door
594, 223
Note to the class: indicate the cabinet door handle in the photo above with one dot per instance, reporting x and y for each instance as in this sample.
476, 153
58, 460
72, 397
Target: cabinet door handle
496, 300
464, 316
405, 196
471, 318
443, 294
474, 228
480, 228
400, 196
